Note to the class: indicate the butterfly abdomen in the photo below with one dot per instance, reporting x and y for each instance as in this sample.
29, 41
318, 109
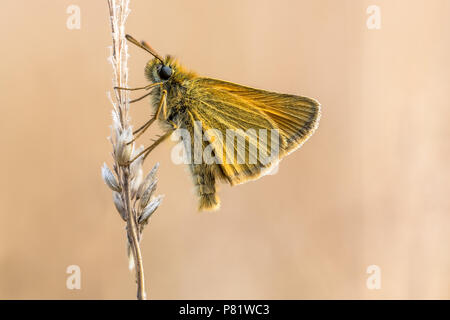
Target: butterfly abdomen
205, 183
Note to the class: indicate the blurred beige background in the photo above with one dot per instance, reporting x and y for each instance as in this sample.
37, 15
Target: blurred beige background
371, 187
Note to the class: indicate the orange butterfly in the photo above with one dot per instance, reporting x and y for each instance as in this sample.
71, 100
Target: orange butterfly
217, 113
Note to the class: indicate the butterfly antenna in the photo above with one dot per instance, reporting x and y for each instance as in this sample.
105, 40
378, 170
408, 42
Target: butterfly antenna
145, 46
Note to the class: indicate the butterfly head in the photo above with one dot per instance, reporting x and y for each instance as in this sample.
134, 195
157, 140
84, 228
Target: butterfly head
168, 70
161, 69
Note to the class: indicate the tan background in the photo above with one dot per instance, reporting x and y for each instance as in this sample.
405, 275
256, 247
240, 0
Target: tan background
371, 187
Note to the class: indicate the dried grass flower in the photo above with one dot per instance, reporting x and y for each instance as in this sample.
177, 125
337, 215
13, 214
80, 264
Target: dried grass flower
132, 194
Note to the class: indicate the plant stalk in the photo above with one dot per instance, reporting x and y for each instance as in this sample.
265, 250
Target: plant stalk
133, 238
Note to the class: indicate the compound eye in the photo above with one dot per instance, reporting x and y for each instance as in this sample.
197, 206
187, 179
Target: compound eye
165, 72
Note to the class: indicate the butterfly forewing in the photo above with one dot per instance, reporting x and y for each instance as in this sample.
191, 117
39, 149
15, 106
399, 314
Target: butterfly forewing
296, 117
240, 113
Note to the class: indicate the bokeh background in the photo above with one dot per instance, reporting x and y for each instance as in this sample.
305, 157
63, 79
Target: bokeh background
371, 187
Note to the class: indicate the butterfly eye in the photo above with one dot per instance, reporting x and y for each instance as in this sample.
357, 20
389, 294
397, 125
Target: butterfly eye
165, 72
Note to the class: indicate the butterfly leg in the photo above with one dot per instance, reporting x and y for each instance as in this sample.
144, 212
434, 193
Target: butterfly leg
162, 105
151, 85
147, 150
163, 109
143, 128
140, 98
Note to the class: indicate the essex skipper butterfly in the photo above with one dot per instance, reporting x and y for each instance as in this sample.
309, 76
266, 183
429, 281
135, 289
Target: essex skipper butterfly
214, 114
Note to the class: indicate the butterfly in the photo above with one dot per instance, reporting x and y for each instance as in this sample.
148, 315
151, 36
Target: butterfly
228, 128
